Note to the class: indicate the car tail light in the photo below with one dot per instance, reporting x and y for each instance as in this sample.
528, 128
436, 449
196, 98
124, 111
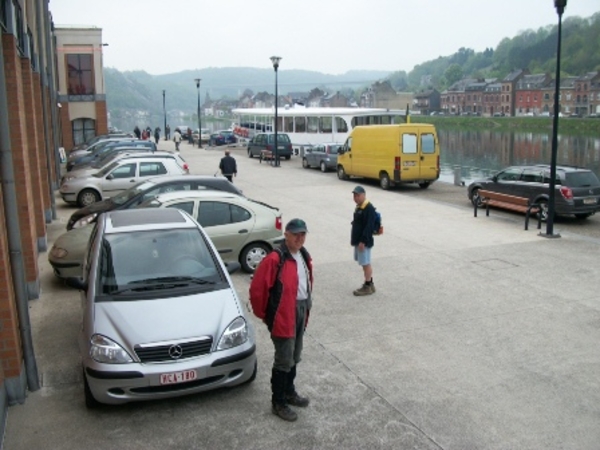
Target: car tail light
566, 192
278, 223
397, 160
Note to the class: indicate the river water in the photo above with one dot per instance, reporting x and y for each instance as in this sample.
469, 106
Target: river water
466, 155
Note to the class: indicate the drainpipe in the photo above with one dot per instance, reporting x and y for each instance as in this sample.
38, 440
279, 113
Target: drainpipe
51, 80
49, 215
11, 214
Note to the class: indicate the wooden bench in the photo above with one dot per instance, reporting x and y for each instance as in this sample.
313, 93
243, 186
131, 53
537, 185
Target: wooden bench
510, 202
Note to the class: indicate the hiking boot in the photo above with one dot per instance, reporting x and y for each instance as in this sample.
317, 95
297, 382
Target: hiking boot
365, 289
296, 400
284, 411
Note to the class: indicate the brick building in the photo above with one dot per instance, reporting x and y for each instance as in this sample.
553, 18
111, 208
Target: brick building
34, 123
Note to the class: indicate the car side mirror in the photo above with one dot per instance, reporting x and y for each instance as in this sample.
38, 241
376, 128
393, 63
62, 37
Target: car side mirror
110, 176
495, 178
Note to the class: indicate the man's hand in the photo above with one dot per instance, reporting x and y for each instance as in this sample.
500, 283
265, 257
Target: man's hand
361, 246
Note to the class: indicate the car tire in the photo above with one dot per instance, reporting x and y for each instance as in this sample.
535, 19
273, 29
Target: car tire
288, 157
476, 198
305, 163
252, 255
424, 185
543, 213
583, 215
323, 166
90, 400
341, 173
87, 197
384, 181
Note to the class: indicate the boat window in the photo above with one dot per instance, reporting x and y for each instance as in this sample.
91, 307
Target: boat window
313, 125
427, 143
409, 144
288, 124
325, 125
340, 125
300, 124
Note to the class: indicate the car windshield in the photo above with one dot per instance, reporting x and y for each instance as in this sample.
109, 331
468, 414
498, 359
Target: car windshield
136, 189
281, 138
107, 169
143, 261
581, 179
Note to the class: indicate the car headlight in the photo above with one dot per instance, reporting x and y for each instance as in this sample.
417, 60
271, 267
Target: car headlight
68, 178
105, 350
85, 220
235, 334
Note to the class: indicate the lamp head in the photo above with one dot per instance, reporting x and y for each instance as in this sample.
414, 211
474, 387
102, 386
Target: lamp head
275, 60
560, 6
197, 80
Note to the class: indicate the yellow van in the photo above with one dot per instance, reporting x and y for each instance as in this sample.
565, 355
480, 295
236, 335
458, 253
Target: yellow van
392, 154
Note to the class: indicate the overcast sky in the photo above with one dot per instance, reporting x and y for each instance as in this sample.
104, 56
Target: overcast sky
329, 36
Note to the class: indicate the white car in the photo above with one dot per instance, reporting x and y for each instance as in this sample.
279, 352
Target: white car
120, 175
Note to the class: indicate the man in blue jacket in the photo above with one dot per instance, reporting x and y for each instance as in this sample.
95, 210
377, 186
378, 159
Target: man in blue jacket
363, 227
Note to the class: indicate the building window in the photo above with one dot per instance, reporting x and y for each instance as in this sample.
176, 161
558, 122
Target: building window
3, 13
79, 74
83, 130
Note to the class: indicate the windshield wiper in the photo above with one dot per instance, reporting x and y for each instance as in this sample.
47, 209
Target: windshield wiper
152, 284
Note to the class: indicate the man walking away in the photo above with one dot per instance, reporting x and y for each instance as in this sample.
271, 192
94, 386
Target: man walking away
228, 166
156, 135
363, 226
280, 294
177, 138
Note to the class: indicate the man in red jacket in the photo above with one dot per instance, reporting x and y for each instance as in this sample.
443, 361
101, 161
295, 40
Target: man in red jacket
280, 294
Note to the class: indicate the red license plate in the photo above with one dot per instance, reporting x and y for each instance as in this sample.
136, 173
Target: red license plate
178, 377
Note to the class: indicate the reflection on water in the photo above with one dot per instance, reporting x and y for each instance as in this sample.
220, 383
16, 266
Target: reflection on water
482, 153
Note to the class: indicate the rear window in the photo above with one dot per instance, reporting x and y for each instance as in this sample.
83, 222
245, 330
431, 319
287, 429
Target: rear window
281, 138
581, 179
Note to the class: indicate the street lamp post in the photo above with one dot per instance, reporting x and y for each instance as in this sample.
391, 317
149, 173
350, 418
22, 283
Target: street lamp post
560, 9
164, 115
275, 60
198, 80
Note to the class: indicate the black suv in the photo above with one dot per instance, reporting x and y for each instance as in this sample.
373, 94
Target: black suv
577, 189
148, 189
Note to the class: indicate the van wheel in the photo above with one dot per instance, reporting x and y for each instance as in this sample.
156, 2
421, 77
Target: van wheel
341, 173
384, 181
288, 157
304, 163
323, 167
424, 185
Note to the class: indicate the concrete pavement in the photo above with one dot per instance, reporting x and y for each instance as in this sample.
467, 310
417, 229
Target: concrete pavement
481, 336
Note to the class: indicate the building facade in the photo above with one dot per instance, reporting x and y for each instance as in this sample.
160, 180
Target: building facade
38, 117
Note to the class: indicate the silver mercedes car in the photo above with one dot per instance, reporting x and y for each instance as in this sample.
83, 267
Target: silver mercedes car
161, 317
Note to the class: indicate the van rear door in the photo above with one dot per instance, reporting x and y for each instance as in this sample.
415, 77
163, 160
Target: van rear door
428, 156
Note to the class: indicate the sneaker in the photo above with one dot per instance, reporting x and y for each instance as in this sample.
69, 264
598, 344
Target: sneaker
364, 290
296, 400
284, 411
